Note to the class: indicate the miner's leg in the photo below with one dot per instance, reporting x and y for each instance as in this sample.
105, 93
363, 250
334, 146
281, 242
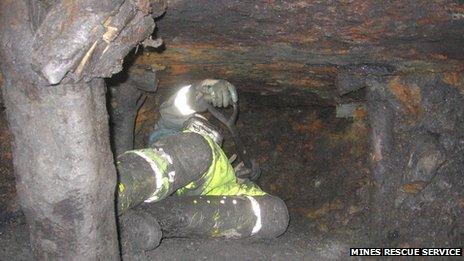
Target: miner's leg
219, 216
151, 175
154, 173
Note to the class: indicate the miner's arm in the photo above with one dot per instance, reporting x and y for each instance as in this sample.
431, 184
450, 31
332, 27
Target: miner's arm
189, 100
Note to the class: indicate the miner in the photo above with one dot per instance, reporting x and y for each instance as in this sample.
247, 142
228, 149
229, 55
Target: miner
184, 182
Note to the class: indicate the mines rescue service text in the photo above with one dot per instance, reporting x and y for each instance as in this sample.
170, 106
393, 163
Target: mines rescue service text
405, 251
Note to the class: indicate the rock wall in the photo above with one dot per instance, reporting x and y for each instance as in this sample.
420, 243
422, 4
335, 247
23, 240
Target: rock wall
417, 154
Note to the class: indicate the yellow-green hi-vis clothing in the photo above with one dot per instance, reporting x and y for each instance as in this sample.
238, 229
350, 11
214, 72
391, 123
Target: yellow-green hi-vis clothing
218, 180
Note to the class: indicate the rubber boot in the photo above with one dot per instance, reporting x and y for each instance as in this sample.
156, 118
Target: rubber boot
220, 216
139, 232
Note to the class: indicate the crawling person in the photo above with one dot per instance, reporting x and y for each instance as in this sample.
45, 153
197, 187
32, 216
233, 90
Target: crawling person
184, 185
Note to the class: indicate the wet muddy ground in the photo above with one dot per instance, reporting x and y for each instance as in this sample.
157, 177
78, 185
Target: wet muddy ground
314, 161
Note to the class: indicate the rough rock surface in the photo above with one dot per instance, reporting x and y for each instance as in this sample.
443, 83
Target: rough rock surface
418, 162
396, 164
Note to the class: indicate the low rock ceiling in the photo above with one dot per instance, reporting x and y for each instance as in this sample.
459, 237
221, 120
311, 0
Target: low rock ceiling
300, 47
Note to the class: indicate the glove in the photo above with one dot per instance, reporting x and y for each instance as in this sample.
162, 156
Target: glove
220, 93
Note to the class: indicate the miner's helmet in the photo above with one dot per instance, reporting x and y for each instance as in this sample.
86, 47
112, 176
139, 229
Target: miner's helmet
200, 125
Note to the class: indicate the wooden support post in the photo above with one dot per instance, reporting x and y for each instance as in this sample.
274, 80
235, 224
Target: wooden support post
65, 176
55, 99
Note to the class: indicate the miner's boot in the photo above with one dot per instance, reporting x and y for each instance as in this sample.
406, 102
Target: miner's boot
220, 216
138, 232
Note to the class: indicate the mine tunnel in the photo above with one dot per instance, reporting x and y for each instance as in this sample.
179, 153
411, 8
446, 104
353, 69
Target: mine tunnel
353, 111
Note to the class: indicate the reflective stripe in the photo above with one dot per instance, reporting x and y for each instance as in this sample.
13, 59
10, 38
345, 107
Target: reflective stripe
257, 211
171, 176
158, 175
165, 155
181, 101
209, 82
